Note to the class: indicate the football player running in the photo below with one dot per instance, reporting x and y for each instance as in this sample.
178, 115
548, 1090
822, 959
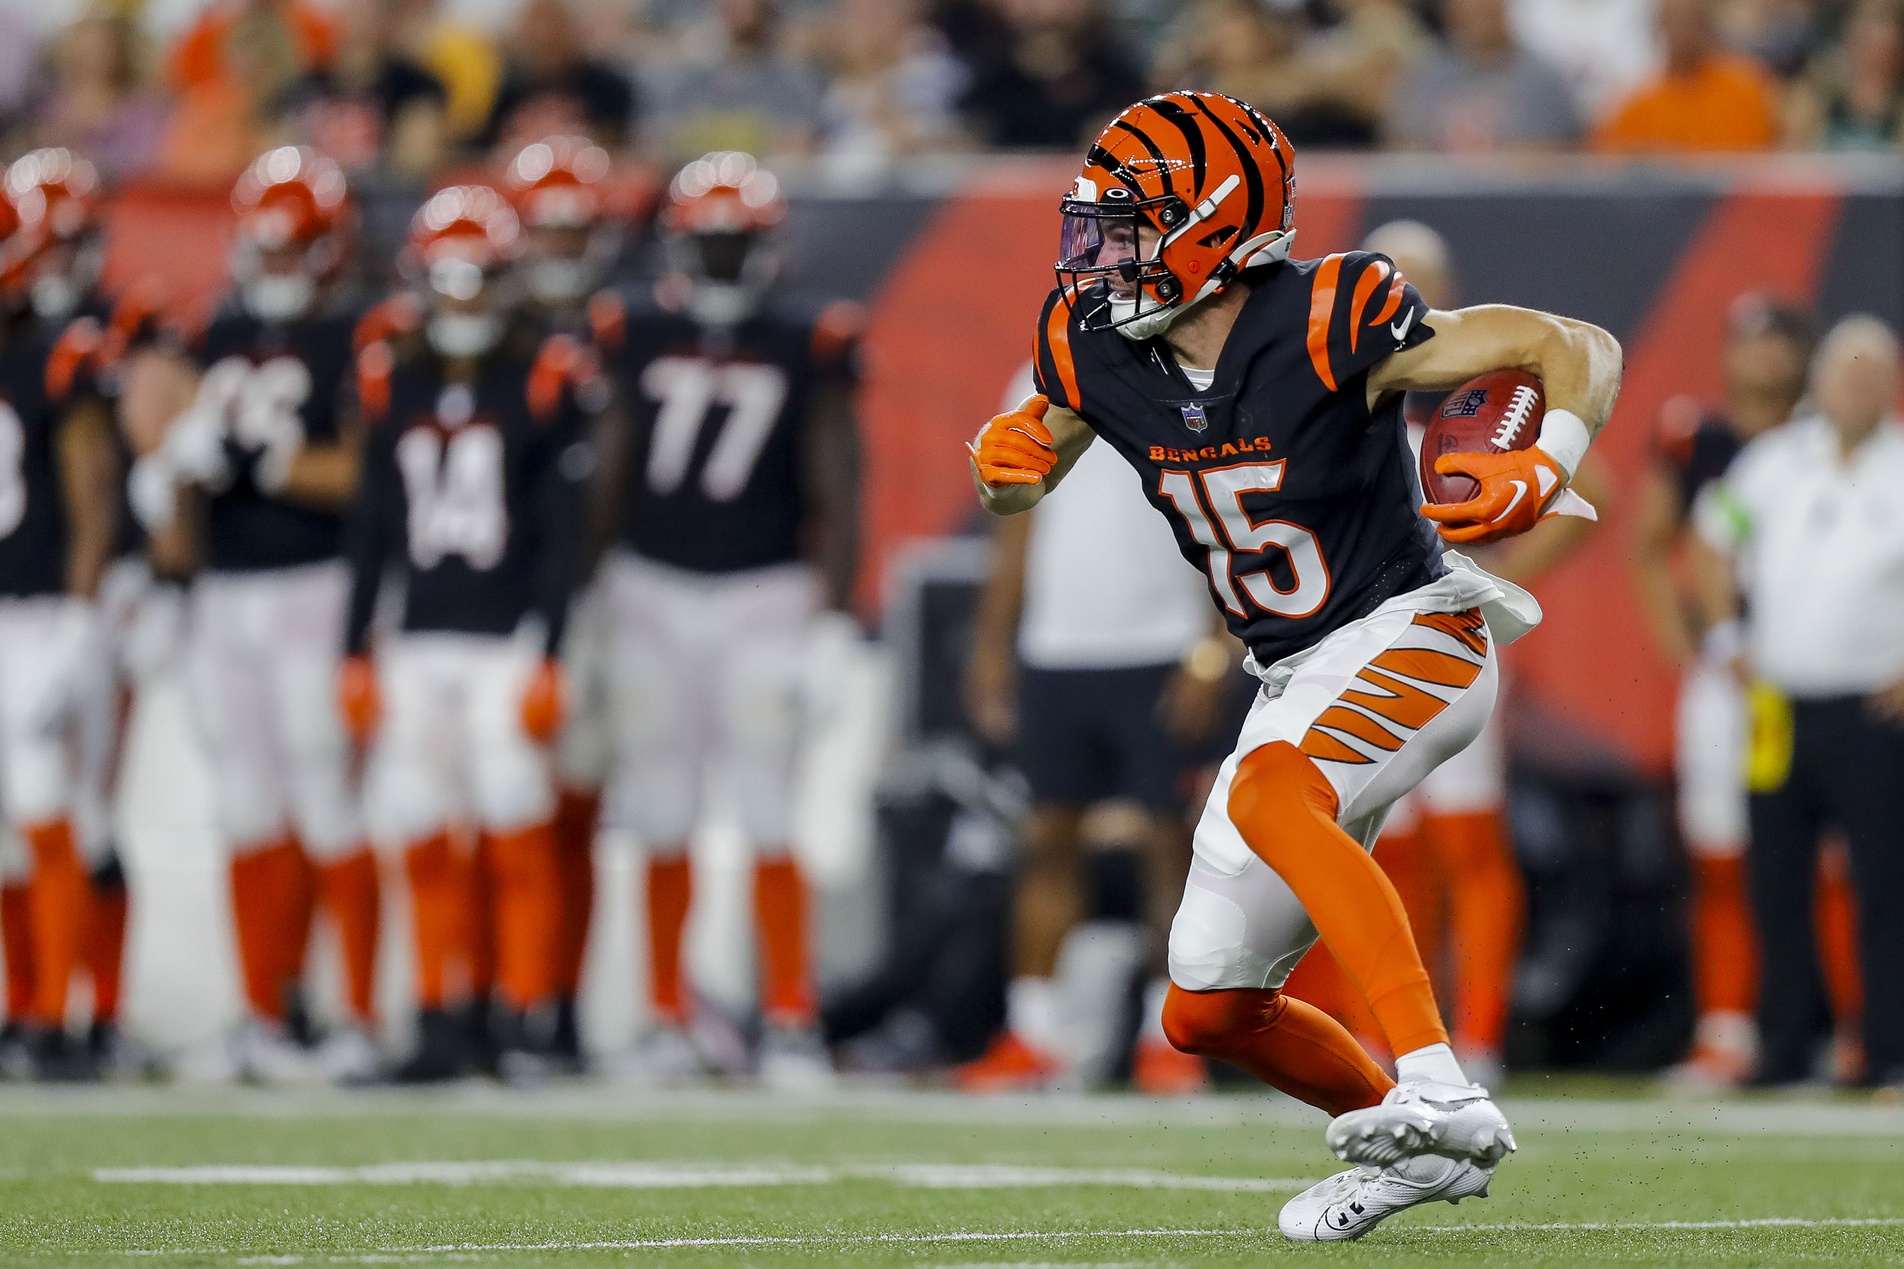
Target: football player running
1259, 398
249, 485
572, 229
59, 479
739, 525
473, 486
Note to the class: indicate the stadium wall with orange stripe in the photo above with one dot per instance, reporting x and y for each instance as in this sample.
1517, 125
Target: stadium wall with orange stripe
955, 263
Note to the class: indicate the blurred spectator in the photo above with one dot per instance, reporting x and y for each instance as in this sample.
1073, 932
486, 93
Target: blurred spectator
1781, 34
1483, 91
1707, 99
17, 60
896, 84
1252, 51
1605, 48
463, 59
1367, 55
226, 118
202, 54
1855, 97
734, 90
98, 104
1057, 82
373, 105
552, 85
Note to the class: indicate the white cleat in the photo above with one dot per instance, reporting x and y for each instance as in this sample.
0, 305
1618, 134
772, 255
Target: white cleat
661, 1056
348, 1056
1423, 1117
261, 1053
1350, 1204
795, 1060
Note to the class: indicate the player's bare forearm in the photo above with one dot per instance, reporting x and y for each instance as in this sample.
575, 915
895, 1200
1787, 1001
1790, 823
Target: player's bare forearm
1070, 436
90, 474
1579, 365
324, 476
990, 678
1712, 573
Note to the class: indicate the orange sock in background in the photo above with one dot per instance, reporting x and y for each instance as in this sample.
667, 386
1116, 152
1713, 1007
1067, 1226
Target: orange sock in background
1285, 810
266, 903
349, 891
780, 914
670, 894
438, 899
16, 937
1411, 863
1287, 1044
60, 895
1725, 952
1835, 913
478, 939
522, 871
106, 950
576, 814
293, 941
1487, 906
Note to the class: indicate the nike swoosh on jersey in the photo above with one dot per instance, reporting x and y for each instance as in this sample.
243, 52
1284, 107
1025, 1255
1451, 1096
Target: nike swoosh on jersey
1400, 329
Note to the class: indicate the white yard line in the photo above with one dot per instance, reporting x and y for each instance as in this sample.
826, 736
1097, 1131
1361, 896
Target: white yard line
1769, 1222
613, 1174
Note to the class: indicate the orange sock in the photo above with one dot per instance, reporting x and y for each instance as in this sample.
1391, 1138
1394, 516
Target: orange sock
780, 913
106, 950
1411, 863
1835, 914
478, 938
348, 888
16, 937
527, 907
576, 813
60, 894
293, 939
265, 909
1487, 904
1283, 1042
1725, 952
670, 895
1318, 980
438, 899
1285, 810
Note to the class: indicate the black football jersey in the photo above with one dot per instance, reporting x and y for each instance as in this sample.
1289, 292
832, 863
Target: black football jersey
33, 531
276, 385
718, 420
1299, 502
1695, 455
477, 491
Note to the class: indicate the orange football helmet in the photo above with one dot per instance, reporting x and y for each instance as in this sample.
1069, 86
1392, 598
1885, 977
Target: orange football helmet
573, 230
462, 241
295, 220
1179, 194
719, 224
53, 200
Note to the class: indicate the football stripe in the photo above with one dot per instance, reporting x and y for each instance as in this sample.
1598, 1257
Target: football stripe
1467, 627
1361, 726
1058, 339
1395, 293
1400, 701
1321, 309
1428, 666
1373, 276
1324, 747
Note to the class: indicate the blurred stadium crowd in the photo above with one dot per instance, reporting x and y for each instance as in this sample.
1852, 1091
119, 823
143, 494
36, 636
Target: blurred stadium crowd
190, 93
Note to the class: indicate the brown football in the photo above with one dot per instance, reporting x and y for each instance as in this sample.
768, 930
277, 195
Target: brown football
1494, 414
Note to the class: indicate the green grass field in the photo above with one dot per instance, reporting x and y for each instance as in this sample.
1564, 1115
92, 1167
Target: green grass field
590, 1175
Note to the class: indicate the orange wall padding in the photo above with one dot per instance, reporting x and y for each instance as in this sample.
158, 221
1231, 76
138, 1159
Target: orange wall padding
180, 237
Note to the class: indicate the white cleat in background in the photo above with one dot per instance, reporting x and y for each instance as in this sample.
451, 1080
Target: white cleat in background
1350, 1204
795, 1060
1422, 1117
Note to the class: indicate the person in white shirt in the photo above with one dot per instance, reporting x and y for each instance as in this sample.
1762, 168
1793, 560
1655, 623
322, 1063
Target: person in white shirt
1807, 530
1094, 644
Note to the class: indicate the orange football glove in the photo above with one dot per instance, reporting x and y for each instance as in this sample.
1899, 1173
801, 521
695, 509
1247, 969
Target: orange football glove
1016, 448
542, 704
358, 698
1516, 489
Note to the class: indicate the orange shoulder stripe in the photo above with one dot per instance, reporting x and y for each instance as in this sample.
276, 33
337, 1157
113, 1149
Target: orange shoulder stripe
1394, 302
1321, 308
1372, 277
374, 364
1058, 336
607, 320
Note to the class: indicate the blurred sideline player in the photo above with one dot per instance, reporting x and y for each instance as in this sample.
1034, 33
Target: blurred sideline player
248, 487
1260, 398
1446, 846
473, 483
739, 525
1765, 361
1091, 629
60, 474
572, 233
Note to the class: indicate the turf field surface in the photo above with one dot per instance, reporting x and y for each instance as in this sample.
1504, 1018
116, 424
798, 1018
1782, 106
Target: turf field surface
586, 1175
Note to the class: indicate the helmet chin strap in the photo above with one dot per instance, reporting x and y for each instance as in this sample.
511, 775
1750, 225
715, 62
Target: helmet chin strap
722, 303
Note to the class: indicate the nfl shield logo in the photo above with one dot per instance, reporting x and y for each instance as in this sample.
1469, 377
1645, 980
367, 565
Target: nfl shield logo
1193, 418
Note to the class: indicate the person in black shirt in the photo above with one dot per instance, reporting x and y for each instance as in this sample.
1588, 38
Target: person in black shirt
1057, 80
550, 85
472, 494
372, 105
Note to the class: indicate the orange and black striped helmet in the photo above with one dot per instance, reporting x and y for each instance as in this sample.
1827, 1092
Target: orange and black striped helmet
1179, 195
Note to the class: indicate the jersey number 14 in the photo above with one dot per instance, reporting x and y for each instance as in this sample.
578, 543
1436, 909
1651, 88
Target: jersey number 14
1222, 491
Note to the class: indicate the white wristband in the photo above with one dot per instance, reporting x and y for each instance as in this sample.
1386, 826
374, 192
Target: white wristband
1564, 438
